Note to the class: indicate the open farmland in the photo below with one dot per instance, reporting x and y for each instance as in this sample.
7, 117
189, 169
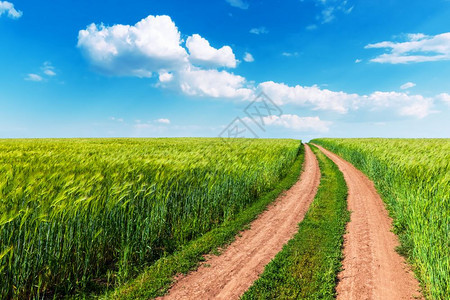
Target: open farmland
74, 211
413, 177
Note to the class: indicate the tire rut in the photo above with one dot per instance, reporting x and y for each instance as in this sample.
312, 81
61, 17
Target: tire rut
229, 275
372, 269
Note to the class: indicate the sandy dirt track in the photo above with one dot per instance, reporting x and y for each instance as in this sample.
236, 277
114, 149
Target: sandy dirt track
372, 269
229, 275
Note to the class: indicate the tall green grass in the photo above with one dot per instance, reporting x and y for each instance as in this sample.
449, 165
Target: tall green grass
155, 280
413, 177
82, 211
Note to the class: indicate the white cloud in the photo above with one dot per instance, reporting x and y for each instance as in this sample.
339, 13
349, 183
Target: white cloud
330, 9
328, 14
154, 46
297, 123
342, 102
444, 97
163, 121
406, 105
407, 85
289, 54
49, 72
150, 45
214, 83
416, 36
143, 126
202, 53
165, 76
34, 77
248, 57
238, 3
259, 30
418, 48
311, 27
8, 8
322, 99
357, 61
120, 120
48, 69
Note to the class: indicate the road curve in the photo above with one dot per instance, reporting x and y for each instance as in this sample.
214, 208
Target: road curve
372, 269
229, 275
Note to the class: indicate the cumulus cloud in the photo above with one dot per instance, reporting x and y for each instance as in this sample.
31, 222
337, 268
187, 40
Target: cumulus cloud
248, 57
165, 76
406, 105
238, 3
34, 77
418, 48
153, 47
163, 121
407, 85
201, 52
444, 97
313, 96
214, 83
342, 102
298, 123
150, 45
259, 30
8, 9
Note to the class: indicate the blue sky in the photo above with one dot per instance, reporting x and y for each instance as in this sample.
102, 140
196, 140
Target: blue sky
190, 68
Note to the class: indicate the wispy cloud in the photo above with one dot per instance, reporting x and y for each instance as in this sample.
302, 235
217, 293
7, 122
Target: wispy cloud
48, 69
115, 119
34, 77
248, 57
163, 121
417, 48
329, 10
407, 85
8, 9
259, 30
311, 27
357, 61
238, 3
289, 54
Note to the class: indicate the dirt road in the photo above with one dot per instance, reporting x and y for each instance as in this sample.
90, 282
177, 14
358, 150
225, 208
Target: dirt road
229, 275
371, 267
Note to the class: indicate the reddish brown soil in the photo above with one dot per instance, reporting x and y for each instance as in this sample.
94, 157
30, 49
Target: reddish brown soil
229, 275
372, 269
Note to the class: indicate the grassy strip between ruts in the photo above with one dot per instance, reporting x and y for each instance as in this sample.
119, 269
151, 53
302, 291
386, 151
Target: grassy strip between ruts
307, 266
156, 279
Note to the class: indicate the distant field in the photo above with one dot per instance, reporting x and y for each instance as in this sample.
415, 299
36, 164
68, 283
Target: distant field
78, 211
413, 177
